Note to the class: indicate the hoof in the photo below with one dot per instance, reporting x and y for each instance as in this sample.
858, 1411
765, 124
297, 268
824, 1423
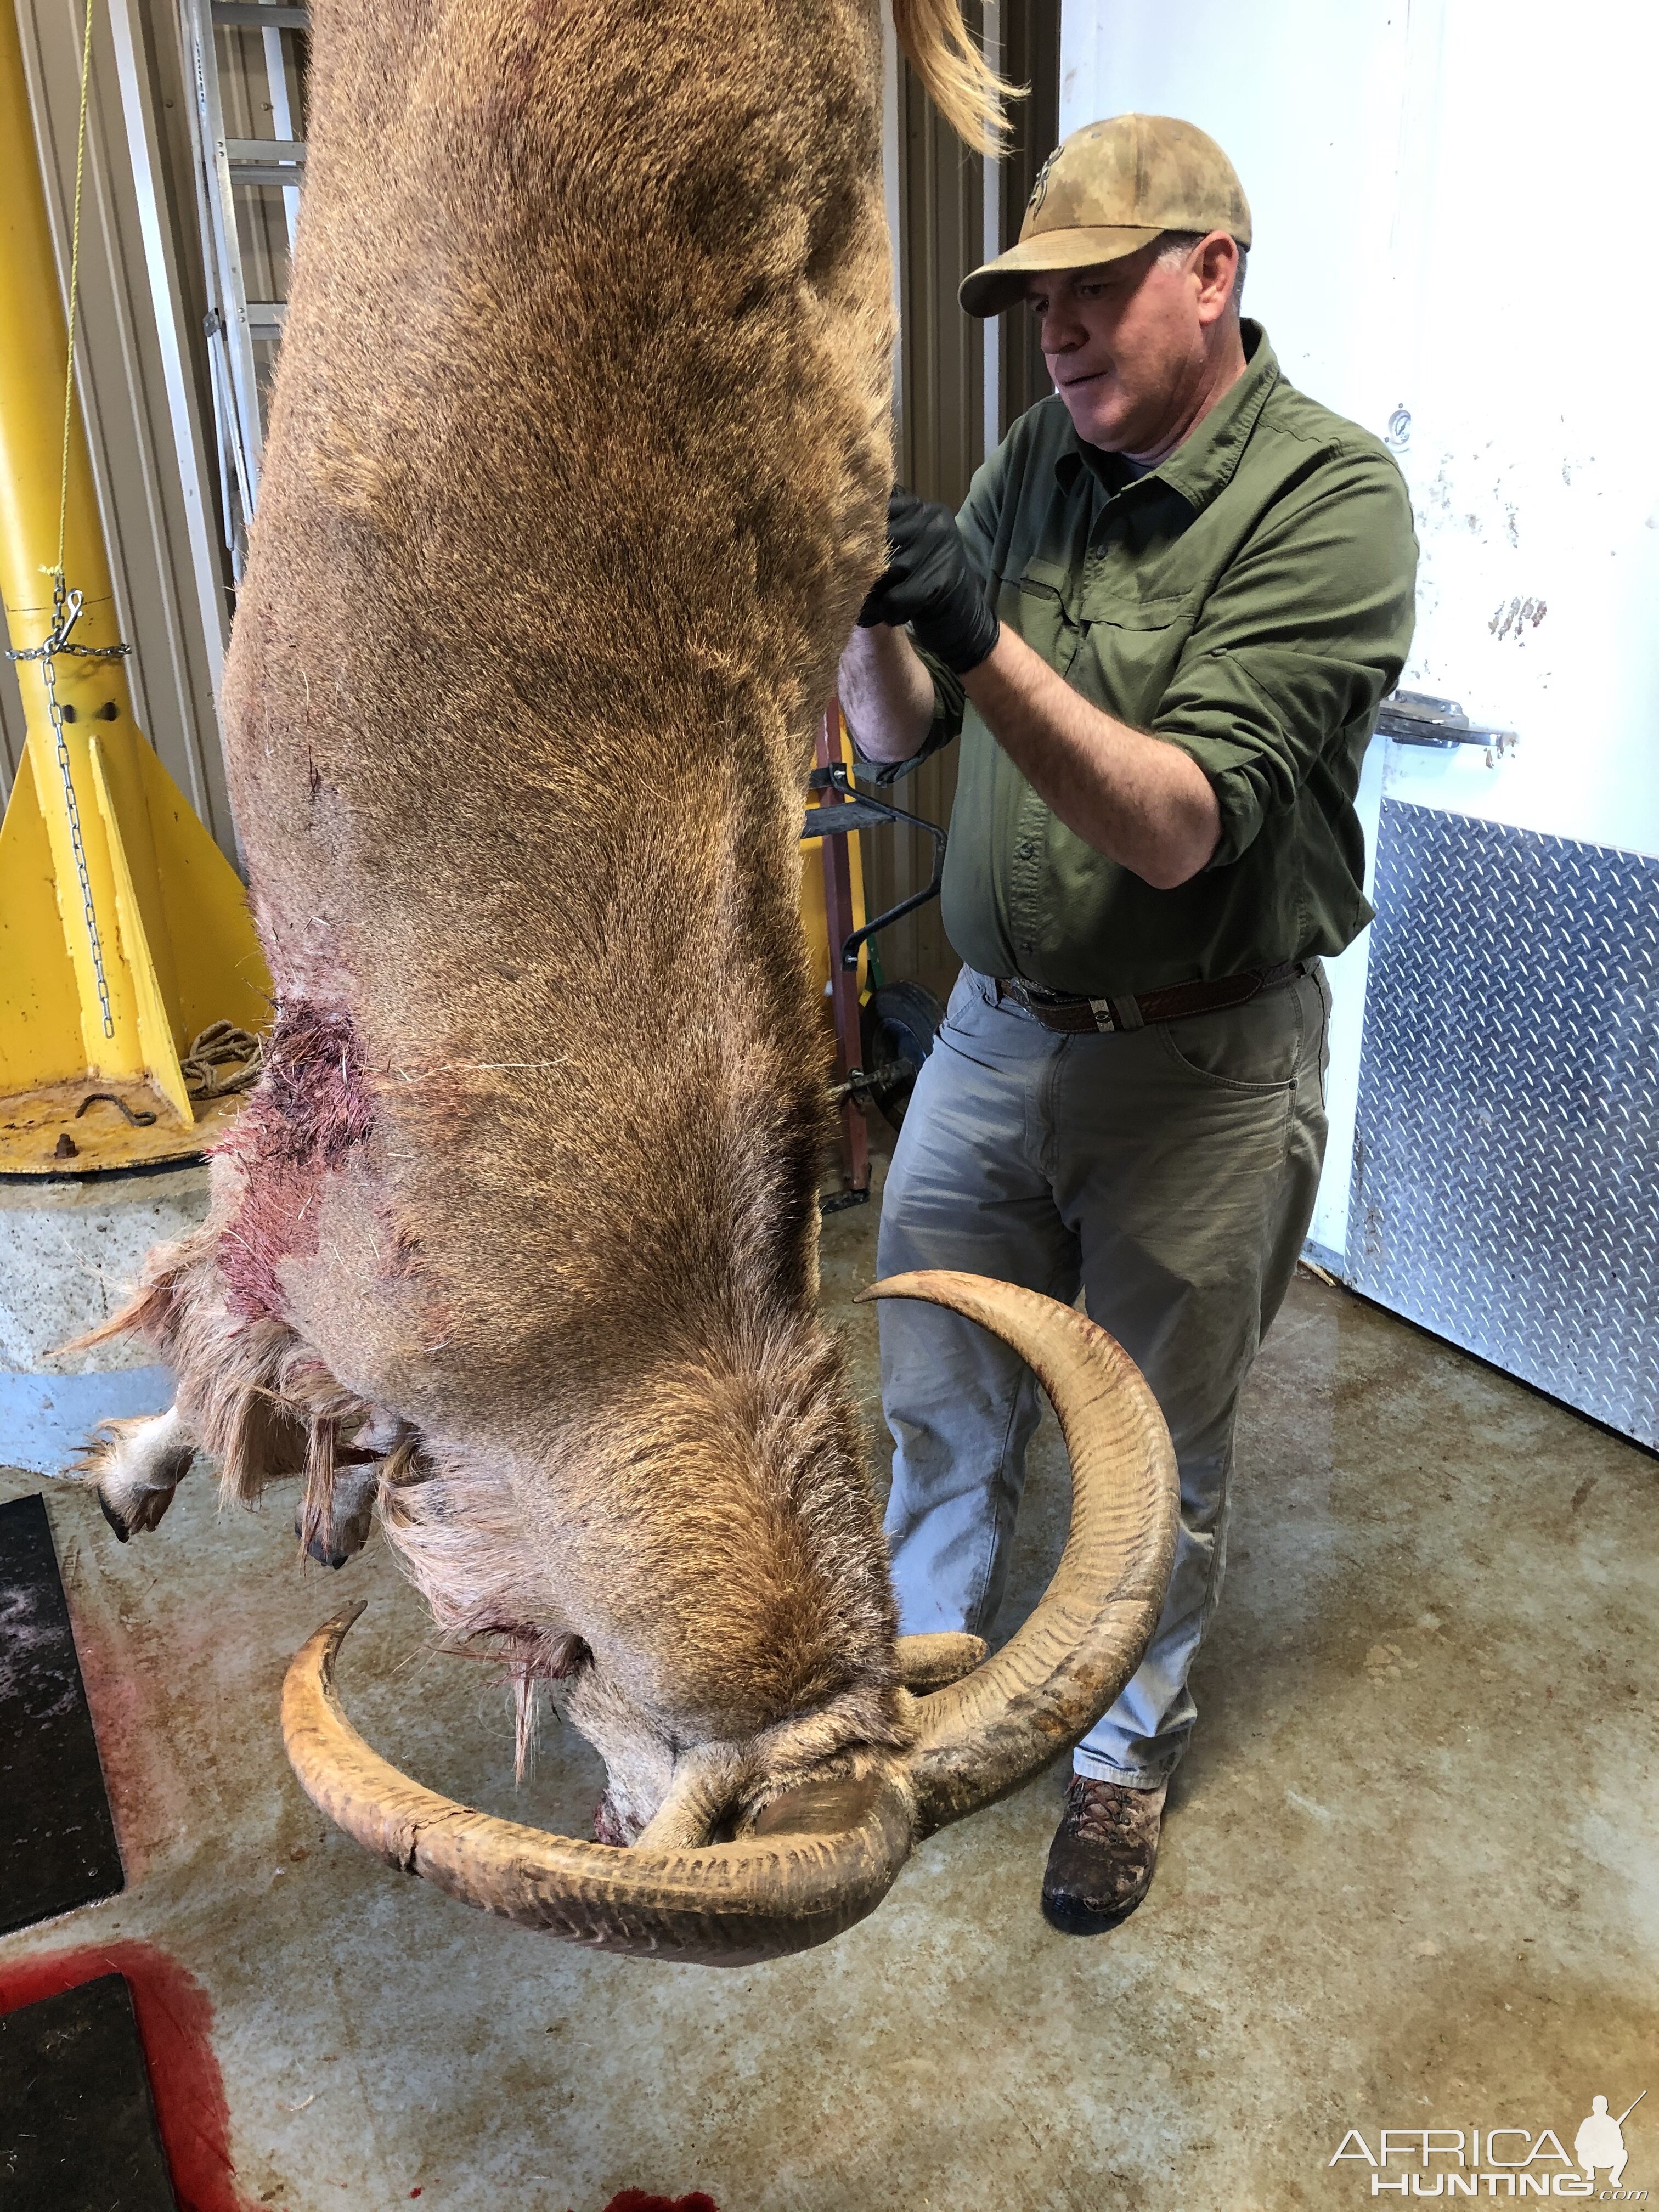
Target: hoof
333, 1545
123, 1534
135, 1466
144, 1512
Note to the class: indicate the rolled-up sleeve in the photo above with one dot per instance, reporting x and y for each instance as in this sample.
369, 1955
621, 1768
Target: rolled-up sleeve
1299, 641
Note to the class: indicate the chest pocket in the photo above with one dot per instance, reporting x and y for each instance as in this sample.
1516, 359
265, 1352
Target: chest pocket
1128, 649
1034, 606
1118, 651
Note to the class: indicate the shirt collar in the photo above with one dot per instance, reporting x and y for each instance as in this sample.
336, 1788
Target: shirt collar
1203, 462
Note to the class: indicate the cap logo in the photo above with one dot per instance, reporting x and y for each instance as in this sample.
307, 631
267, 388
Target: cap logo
1042, 183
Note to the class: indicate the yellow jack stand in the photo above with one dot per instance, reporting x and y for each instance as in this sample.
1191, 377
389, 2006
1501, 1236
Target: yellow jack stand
123, 930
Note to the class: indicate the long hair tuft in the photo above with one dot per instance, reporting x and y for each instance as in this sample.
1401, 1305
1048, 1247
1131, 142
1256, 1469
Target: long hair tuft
966, 90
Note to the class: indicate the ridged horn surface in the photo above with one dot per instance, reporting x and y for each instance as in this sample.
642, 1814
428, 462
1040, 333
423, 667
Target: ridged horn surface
983, 1736
820, 1858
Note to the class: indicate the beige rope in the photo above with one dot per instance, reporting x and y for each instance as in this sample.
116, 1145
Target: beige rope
223, 1059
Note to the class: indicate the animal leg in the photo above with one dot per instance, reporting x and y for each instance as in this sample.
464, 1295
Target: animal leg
136, 1466
347, 1512
252, 1394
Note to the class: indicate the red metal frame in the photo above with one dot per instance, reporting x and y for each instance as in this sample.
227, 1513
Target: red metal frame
843, 981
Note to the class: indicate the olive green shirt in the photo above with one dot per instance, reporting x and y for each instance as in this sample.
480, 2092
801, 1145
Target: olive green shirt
1250, 601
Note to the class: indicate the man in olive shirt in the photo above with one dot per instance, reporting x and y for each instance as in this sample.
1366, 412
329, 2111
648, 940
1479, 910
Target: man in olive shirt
1162, 625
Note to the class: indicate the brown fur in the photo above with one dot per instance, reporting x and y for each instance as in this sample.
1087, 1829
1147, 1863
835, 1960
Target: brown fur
577, 472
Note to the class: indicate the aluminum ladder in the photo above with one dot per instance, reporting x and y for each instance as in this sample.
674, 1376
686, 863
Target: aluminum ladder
226, 168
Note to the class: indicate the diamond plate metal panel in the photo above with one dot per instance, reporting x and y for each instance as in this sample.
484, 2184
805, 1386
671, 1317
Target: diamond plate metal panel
1506, 1153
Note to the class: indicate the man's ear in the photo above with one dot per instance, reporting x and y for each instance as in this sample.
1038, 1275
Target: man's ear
1217, 270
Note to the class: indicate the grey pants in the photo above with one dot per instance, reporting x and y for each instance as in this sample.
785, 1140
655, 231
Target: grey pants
1169, 1173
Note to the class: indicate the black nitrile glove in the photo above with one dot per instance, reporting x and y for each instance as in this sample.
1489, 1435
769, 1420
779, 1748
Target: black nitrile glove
929, 582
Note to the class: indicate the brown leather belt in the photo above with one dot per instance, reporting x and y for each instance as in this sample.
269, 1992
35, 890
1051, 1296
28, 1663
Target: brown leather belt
1061, 1010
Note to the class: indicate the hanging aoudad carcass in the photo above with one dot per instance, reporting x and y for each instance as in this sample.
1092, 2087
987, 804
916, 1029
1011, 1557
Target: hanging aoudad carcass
578, 464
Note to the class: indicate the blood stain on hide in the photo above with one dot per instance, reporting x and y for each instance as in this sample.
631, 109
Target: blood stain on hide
175, 2023
312, 1109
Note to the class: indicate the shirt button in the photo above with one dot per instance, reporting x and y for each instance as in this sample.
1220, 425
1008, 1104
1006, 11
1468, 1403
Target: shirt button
1026, 850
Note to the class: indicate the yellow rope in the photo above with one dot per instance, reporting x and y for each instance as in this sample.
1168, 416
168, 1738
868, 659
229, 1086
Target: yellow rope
74, 288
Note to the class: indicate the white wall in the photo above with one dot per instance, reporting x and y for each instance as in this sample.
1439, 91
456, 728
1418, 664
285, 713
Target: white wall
1305, 95
1525, 356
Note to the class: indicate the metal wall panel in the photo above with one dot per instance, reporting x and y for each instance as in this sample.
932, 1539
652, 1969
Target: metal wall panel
1029, 56
123, 383
1506, 1156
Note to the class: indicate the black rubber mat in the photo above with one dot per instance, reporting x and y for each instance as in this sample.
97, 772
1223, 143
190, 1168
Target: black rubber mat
78, 2128
56, 1840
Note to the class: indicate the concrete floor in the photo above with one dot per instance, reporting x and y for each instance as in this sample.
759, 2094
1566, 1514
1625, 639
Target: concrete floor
1408, 1877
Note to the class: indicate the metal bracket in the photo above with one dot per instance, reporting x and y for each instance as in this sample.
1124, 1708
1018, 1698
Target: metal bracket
837, 1201
866, 1089
858, 810
1416, 718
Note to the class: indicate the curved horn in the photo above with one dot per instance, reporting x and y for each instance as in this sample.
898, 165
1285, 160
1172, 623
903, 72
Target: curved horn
983, 1736
820, 1858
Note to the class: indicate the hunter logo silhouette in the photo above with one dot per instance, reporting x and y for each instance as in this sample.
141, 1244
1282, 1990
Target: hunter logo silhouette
1599, 2141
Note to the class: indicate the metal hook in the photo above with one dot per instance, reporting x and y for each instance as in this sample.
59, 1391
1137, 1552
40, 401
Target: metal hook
139, 1121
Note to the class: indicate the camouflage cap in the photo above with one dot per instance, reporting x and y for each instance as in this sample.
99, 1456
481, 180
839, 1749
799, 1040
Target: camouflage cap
1107, 190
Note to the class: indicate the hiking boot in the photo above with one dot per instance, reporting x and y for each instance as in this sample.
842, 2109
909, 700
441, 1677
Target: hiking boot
1101, 1862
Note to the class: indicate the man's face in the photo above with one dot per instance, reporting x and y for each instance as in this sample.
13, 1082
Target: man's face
1126, 342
